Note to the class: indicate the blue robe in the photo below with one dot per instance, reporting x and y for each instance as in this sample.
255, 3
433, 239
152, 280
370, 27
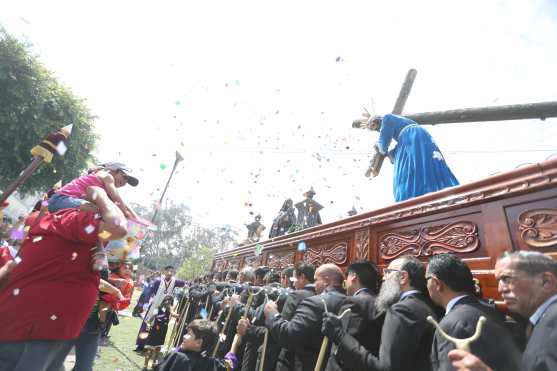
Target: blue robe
419, 166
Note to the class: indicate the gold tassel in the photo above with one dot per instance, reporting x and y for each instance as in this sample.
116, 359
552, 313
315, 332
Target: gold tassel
39, 151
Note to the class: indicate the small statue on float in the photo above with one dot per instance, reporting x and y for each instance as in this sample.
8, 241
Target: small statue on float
308, 211
255, 229
285, 222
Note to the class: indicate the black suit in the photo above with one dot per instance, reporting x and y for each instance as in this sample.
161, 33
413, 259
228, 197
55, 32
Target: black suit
294, 298
363, 323
302, 333
190, 361
495, 347
541, 350
255, 333
282, 358
406, 339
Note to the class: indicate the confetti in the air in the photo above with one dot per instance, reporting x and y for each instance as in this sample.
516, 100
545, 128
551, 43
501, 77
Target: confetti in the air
74, 255
89, 229
37, 239
17, 260
16, 292
301, 246
104, 235
163, 166
53, 317
17, 234
61, 148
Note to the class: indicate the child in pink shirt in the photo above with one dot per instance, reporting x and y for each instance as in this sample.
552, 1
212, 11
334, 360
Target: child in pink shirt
107, 176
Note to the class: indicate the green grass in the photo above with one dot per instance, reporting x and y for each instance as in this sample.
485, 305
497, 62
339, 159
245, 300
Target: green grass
117, 353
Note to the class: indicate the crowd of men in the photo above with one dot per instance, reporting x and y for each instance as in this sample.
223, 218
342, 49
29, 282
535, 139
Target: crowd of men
301, 318
278, 321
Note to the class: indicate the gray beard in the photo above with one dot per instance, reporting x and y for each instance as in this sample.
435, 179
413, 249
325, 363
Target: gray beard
389, 294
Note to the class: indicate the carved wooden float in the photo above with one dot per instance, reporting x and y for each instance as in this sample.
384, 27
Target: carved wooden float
516, 210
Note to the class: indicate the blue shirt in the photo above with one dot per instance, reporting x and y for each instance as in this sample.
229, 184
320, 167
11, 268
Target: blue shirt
452, 302
535, 318
407, 293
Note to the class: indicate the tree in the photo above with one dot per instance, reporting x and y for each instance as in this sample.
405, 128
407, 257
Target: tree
169, 243
32, 104
178, 237
197, 264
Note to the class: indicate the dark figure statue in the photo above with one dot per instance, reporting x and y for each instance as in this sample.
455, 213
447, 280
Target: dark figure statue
254, 230
285, 220
308, 211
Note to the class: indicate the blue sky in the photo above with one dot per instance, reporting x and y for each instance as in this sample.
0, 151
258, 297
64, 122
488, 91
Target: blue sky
251, 94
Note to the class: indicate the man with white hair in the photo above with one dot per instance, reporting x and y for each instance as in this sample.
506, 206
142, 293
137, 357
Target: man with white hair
528, 285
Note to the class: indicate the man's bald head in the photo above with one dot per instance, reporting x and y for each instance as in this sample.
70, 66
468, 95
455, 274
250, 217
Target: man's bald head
328, 275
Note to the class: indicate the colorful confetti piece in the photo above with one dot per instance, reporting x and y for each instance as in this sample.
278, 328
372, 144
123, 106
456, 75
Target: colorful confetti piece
104, 235
89, 229
74, 256
37, 239
16, 292
17, 234
53, 317
61, 148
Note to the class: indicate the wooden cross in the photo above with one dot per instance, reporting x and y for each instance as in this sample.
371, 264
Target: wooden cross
378, 157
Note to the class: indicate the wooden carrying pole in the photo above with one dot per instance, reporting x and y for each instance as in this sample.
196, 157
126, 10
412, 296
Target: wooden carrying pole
43, 152
223, 331
264, 350
182, 325
37, 161
181, 305
325, 342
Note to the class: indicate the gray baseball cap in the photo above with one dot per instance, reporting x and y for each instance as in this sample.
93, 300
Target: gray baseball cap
115, 166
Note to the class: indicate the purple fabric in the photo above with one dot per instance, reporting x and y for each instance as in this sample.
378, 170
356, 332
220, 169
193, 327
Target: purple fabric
232, 358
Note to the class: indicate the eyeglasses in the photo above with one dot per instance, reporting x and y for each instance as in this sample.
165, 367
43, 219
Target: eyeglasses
387, 271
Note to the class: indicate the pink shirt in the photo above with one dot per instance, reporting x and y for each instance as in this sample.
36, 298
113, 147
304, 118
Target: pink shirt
77, 188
